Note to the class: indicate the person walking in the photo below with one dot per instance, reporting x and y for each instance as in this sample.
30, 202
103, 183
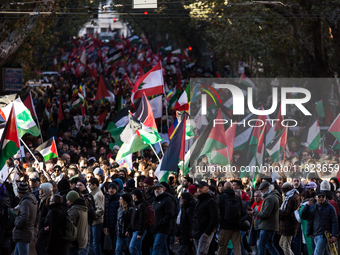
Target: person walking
56, 222
123, 229
164, 210
138, 223
184, 228
268, 218
97, 224
111, 212
232, 210
320, 217
205, 220
289, 226
78, 214
23, 232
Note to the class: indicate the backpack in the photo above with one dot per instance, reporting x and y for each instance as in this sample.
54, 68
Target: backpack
232, 213
71, 231
150, 216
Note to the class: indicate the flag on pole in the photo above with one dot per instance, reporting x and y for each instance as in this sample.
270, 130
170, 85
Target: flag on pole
150, 83
104, 90
334, 129
23, 117
311, 136
28, 102
48, 149
9, 144
246, 81
174, 153
319, 109
102, 118
183, 102
276, 146
156, 105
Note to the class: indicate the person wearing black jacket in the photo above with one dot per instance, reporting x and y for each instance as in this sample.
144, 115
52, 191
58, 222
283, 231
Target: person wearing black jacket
123, 229
232, 210
164, 210
111, 213
138, 223
4, 228
184, 230
205, 220
56, 222
63, 189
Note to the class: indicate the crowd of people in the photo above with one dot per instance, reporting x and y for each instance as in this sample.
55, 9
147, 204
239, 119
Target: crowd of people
85, 203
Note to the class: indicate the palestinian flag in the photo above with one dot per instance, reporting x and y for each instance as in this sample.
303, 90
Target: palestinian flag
101, 118
114, 57
104, 90
48, 149
174, 153
311, 136
329, 117
246, 81
276, 129
319, 109
37, 72
150, 83
334, 129
276, 146
215, 146
144, 113
28, 102
243, 133
23, 118
183, 102
9, 144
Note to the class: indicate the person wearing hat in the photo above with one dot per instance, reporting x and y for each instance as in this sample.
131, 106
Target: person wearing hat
320, 217
138, 223
164, 211
205, 220
148, 184
23, 232
56, 222
289, 226
123, 229
45, 191
97, 224
110, 213
237, 185
78, 213
268, 216
35, 187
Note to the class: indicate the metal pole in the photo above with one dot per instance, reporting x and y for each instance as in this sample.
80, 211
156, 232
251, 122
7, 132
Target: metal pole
155, 153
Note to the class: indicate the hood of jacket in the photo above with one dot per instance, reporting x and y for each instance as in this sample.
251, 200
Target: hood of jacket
29, 196
204, 196
120, 184
229, 192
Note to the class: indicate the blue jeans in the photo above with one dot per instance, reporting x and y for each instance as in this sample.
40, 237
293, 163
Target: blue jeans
136, 244
76, 251
160, 245
266, 241
96, 235
320, 245
120, 244
297, 242
21, 248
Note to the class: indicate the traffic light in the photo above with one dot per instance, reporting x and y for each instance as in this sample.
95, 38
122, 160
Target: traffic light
189, 48
114, 19
146, 15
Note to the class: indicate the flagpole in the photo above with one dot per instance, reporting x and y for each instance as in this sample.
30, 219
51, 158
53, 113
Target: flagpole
161, 148
15, 167
155, 153
28, 149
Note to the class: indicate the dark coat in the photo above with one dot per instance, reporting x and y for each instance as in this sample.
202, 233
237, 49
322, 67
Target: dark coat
164, 210
206, 217
185, 227
124, 221
56, 220
222, 204
25, 220
138, 217
327, 217
269, 213
111, 211
289, 226
4, 205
